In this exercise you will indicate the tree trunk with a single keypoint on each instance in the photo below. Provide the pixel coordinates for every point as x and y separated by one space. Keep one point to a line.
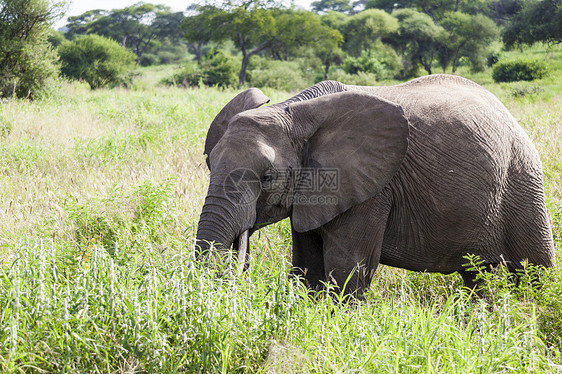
246 57
199 52
141 51
242 75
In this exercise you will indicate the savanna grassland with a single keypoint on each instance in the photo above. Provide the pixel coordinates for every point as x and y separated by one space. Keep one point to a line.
100 194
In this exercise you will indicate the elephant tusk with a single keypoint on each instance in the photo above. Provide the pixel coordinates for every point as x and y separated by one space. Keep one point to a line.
242 248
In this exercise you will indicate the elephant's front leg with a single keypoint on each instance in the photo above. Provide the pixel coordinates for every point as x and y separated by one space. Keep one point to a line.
308 258
352 244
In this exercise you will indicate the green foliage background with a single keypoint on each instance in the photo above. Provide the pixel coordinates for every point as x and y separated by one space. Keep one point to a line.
27 61
99 61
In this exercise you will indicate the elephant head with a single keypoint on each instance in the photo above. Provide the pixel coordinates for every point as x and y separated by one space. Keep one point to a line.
308 159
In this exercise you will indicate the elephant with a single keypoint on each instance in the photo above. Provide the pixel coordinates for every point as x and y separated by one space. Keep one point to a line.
415 175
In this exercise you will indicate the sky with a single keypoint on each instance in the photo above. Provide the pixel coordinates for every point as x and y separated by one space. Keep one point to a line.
78 7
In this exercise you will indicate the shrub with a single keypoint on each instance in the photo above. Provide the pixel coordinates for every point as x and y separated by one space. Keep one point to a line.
99 61
167 57
281 75
216 69
363 63
493 58
27 60
383 63
148 59
519 70
359 79
525 91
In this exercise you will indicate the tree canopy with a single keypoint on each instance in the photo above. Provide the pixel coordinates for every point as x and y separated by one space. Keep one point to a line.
254 29
27 60
321 6
388 38
134 27
538 21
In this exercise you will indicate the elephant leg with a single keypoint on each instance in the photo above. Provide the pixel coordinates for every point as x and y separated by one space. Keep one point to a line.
353 244
468 279
308 259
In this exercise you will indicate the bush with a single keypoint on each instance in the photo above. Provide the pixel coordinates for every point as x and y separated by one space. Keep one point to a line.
99 61
167 57
216 69
493 58
27 60
359 79
519 70
148 59
383 63
281 75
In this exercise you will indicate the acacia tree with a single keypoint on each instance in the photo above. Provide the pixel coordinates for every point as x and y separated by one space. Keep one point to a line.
466 36
202 27
433 8
27 59
307 29
364 30
321 6
134 27
254 29
418 39
538 21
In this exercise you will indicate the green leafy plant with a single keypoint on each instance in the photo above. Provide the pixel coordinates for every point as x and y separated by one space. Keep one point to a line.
519 70
99 61
526 91
123 220
360 79
281 75
216 69
27 60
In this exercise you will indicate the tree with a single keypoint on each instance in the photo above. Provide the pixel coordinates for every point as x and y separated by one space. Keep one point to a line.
322 6
418 39
98 60
501 11
433 8
306 29
27 59
335 20
363 30
85 23
202 27
466 36
538 21
254 29
387 5
134 27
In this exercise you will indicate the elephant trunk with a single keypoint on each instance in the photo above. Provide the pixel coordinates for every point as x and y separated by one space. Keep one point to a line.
224 223
216 224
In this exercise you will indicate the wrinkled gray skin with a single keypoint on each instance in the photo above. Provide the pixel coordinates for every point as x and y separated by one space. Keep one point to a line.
429 171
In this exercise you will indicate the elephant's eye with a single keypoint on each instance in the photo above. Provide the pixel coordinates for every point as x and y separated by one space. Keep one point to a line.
267 177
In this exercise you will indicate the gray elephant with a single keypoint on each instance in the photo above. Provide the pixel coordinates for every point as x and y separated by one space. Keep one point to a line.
415 176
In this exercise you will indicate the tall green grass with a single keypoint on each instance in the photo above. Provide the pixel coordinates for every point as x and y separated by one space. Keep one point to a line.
100 196
163 313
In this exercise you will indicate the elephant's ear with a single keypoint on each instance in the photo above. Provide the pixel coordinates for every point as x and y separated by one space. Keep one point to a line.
354 145
249 99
